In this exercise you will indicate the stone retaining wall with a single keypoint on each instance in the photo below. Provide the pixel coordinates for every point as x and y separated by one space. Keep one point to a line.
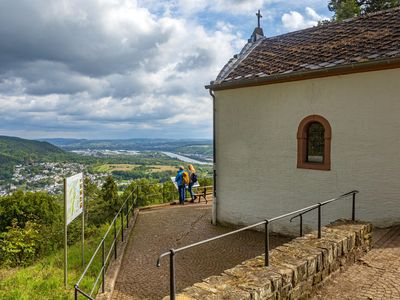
296 268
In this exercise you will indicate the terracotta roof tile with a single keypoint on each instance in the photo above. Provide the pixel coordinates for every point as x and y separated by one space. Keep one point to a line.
363 39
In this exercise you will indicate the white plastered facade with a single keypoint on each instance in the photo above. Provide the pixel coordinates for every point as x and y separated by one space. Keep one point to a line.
256 149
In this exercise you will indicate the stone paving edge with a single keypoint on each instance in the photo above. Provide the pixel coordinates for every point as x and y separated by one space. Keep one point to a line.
115 265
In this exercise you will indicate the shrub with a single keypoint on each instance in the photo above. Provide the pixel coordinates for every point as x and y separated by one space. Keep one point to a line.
20 246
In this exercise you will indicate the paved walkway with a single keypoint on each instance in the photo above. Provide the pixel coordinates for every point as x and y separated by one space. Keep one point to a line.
374 276
158 230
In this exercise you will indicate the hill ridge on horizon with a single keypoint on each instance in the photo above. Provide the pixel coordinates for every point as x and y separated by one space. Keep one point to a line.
138 144
15 150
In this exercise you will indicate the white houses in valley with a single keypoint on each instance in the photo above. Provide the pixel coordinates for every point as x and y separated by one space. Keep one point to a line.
306 116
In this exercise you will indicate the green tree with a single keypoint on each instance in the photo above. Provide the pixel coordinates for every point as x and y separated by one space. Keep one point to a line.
377 5
96 208
345 9
109 192
23 207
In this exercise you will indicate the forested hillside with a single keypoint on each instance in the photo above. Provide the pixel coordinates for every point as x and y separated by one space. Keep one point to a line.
15 150
25 150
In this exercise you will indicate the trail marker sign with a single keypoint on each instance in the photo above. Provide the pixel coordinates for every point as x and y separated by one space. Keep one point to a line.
74 196
73 207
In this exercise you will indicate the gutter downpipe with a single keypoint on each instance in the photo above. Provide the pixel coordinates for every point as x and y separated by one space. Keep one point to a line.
214 205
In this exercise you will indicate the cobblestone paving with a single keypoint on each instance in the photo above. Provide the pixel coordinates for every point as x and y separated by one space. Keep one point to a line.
374 276
158 230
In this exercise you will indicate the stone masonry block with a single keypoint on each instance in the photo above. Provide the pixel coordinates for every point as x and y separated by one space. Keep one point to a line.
350 234
296 268
301 291
285 291
258 281
326 247
286 259
339 239
311 251
360 229
317 278
334 266
301 254
201 294
221 290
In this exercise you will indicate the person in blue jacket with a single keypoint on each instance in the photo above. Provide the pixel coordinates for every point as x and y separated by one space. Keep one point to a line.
181 185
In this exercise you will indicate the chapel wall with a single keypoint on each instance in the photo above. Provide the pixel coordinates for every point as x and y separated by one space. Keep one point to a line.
256 154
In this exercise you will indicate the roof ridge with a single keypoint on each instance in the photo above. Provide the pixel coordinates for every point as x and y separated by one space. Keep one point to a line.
370 39
236 59
335 23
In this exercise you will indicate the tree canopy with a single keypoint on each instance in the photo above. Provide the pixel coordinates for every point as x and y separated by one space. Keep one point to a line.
345 9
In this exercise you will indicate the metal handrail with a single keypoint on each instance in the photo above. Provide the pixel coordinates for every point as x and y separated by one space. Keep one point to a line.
127 209
298 213
133 196
163 193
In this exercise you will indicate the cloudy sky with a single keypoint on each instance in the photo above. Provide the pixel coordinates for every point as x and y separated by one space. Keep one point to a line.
125 68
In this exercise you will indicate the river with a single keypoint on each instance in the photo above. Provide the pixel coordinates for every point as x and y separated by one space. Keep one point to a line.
185 159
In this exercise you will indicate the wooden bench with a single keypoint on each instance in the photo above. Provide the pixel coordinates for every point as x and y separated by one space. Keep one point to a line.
204 193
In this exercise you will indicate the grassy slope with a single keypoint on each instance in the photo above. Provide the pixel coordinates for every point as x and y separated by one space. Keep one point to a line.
45 279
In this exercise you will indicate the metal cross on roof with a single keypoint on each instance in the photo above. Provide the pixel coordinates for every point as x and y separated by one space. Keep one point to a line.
259 16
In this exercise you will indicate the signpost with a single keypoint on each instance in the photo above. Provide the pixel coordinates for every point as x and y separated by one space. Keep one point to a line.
73 207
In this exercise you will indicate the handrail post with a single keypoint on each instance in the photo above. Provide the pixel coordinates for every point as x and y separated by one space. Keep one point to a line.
319 220
172 285
76 292
133 202
103 271
301 225
353 211
122 225
266 245
115 239
137 196
127 214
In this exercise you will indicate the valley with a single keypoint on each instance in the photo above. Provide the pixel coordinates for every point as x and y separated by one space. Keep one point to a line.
41 166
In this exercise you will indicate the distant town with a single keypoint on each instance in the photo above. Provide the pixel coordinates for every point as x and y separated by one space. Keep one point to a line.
46 176
41 166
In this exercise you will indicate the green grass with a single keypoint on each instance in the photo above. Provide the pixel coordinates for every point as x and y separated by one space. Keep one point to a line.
45 279
107 168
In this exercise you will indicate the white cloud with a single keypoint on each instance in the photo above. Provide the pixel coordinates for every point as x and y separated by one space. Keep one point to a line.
188 7
98 66
295 20
121 68
237 6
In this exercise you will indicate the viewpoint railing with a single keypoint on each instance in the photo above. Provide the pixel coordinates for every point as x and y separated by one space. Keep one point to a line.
127 209
122 217
168 193
298 213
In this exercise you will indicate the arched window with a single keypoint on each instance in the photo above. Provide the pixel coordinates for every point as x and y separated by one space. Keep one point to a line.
314 143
